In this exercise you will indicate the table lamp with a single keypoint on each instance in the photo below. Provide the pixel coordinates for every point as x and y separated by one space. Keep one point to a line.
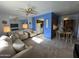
24 26
6 29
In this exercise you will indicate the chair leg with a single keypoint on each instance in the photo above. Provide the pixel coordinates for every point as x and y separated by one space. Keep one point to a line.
71 38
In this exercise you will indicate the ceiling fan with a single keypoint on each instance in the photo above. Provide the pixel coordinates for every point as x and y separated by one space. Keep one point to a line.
28 11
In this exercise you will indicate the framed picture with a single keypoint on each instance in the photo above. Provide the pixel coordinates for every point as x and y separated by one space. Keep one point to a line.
4 22
46 23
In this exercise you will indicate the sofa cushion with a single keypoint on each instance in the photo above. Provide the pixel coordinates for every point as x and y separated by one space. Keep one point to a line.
6 38
14 36
20 32
24 53
23 35
18 45
6 50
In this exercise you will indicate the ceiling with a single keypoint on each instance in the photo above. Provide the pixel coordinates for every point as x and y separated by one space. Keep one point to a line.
9 8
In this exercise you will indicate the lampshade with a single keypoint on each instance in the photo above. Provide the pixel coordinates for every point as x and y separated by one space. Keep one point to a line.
66 18
25 26
6 29
54 27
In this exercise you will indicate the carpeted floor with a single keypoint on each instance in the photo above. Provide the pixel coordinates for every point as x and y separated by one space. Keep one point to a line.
50 49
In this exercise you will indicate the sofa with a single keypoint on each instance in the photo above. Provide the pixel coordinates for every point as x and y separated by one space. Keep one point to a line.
13 46
20 35
24 53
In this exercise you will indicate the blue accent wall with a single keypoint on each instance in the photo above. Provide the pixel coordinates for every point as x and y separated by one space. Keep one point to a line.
47 30
34 23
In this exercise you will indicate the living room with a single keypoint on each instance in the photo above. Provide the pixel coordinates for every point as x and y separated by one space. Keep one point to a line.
39 29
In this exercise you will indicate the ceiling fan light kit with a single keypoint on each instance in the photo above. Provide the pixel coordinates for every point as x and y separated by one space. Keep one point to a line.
28 11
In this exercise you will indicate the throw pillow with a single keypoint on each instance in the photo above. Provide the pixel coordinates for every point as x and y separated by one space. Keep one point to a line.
13 38
18 45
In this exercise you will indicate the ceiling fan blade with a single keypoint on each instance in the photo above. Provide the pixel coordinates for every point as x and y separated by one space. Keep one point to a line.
30 10
34 11
22 10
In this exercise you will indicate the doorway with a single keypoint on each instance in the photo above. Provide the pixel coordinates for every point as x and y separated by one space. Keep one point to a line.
39 26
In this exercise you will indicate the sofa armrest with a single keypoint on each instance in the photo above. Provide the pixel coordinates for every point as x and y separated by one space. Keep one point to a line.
24 53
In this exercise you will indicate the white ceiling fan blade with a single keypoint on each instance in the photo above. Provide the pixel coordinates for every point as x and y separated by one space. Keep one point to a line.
35 12
22 10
